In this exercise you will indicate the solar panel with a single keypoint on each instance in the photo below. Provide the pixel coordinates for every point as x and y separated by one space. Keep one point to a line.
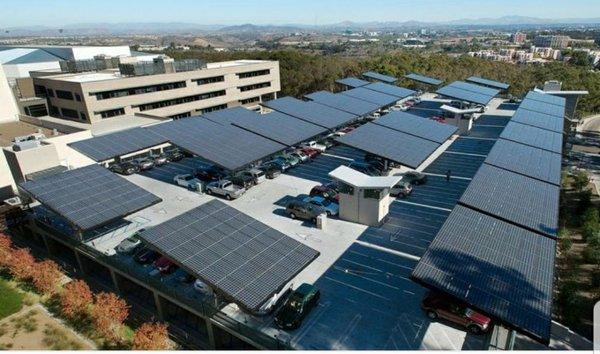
229 115
242 259
89 196
380 77
417 126
542 107
225 145
546 98
540 120
393 145
486 82
392 90
464 95
111 145
526 160
497 268
352 82
424 79
532 136
376 97
343 102
475 88
311 112
521 200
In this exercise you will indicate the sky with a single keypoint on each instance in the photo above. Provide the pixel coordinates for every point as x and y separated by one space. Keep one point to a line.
56 13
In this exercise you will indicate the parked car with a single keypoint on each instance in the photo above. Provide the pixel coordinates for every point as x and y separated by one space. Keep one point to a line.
312 153
270 171
331 208
145 256
209 173
401 190
124 168
289 159
279 164
257 175
188 181
297 209
325 191
225 188
314 145
158 159
300 156
174 155
165 265
143 163
129 244
414 177
365 168
186 278
298 304
328 142
201 287
439 306
242 180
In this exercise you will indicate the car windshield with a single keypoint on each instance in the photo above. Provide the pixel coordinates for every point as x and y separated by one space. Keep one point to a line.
469 312
227 184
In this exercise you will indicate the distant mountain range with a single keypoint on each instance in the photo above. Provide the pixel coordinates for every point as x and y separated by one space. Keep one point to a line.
87 29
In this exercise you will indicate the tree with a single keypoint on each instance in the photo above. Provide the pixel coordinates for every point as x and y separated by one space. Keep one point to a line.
108 314
76 299
580 181
46 277
21 264
151 336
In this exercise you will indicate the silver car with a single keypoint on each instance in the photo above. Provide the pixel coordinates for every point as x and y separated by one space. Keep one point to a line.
144 163
158 159
129 244
225 188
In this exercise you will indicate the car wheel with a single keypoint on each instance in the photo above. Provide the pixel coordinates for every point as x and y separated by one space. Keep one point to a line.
314 220
227 196
208 191
292 215
432 314
475 329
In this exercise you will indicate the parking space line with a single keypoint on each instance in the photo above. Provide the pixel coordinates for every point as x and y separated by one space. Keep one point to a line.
440 175
357 288
384 249
338 157
423 205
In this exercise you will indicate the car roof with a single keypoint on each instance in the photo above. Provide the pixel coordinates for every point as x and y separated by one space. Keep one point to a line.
305 288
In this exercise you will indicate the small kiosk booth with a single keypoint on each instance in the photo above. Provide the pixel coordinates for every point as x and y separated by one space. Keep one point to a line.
364 199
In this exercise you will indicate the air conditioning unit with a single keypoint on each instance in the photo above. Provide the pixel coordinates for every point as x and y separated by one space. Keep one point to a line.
14 201
30 137
25 145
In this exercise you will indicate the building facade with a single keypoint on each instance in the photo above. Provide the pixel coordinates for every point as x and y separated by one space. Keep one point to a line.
558 42
518 38
92 96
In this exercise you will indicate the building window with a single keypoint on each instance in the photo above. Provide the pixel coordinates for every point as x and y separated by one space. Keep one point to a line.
138 90
181 100
111 113
254 86
53 110
38 110
77 97
346 188
50 93
83 116
65 95
209 80
181 115
372 194
268 97
40 91
69 113
213 108
254 73
250 100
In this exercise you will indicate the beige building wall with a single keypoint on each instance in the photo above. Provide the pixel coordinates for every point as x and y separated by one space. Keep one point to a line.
68 156
8 106
29 161
7 183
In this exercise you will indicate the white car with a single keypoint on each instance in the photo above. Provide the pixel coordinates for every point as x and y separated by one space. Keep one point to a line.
188 181
202 288
314 145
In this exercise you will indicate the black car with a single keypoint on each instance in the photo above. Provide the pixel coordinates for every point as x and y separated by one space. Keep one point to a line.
366 168
124 168
414 177
209 173
297 306
270 171
145 256
241 179
298 209
275 164
174 155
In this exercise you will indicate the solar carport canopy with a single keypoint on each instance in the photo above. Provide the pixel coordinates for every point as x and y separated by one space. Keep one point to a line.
352 82
392 90
520 200
417 126
489 83
532 136
468 92
495 267
242 259
539 120
343 102
543 107
546 98
380 77
376 97
225 145
229 115
311 112
390 144
424 79
111 145
526 160
89 196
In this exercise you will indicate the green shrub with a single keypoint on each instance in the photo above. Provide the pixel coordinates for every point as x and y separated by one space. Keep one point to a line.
11 301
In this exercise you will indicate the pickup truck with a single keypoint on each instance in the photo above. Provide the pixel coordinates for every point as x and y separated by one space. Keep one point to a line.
314 145
225 188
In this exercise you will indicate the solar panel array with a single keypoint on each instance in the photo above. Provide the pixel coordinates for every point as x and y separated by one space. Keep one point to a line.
344 103
542 107
540 120
393 145
521 200
490 83
241 258
417 126
352 82
311 112
468 92
496 267
546 98
89 196
392 90
379 77
424 79
229 115
376 97
532 136
225 145
111 145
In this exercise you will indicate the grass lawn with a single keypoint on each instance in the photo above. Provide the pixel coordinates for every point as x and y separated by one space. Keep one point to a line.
11 301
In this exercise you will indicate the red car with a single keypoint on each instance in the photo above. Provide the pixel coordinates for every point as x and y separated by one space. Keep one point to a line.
327 191
310 152
440 306
165 265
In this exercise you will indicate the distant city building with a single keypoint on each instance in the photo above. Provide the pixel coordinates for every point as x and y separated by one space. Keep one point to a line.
518 38
559 42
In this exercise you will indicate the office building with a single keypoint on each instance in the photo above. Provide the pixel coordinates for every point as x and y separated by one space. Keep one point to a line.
518 38
557 42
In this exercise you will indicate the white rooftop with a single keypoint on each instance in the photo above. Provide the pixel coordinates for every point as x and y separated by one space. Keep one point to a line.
360 180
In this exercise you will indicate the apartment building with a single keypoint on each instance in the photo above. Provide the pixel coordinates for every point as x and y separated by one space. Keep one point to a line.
558 42
176 91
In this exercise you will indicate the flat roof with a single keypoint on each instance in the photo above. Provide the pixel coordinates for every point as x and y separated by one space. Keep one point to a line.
360 180
11 130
